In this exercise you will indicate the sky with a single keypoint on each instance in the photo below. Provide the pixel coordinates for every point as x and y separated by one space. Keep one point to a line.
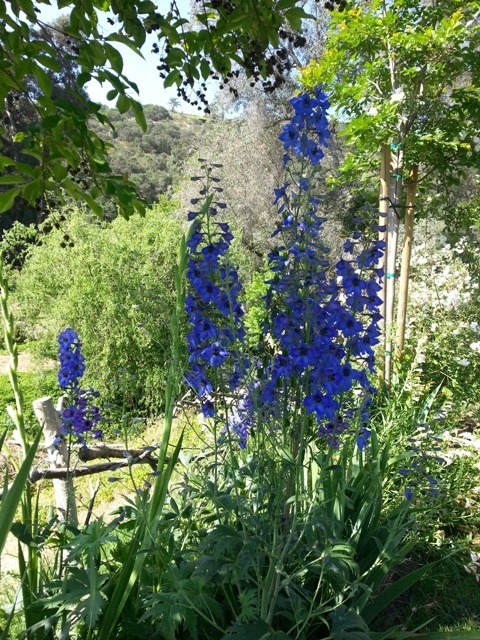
143 72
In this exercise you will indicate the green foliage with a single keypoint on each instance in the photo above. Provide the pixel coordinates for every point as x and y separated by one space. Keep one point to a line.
444 327
256 313
60 138
115 286
239 569
407 73
17 243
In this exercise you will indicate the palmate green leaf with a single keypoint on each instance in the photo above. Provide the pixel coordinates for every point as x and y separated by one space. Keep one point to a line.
258 630
91 607
81 594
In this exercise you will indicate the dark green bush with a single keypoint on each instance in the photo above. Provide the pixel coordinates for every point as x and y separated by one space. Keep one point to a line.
115 287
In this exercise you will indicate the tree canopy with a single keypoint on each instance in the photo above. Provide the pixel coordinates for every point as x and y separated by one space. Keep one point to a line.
69 157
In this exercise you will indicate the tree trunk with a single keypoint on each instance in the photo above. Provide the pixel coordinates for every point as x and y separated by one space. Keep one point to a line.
395 202
382 236
411 190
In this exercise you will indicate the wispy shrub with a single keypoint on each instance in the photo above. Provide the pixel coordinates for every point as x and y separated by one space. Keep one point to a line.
115 285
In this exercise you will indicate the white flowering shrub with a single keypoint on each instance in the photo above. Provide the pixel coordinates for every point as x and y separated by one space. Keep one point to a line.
444 313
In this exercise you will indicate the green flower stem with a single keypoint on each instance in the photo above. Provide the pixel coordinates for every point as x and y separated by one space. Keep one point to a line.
8 330
29 570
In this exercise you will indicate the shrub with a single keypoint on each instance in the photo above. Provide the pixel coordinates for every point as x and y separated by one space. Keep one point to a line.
115 286
444 323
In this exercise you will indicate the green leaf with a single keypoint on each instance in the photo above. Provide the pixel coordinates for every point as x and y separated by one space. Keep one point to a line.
94 206
112 94
139 206
389 594
83 78
204 68
11 179
285 4
348 625
123 103
114 57
33 190
50 121
146 6
49 62
123 39
59 171
248 631
43 80
174 77
5 162
22 532
72 188
8 198
139 114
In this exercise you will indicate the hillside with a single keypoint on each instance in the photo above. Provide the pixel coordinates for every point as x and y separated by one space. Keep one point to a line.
152 159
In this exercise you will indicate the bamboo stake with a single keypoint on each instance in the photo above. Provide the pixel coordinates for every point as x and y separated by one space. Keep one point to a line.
411 191
382 237
395 199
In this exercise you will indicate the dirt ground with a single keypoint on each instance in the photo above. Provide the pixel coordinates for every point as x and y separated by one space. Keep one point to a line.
25 363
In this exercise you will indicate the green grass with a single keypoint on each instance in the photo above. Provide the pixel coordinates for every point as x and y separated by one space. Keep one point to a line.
34 385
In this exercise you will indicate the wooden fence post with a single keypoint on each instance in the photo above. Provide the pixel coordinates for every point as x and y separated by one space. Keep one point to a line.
58 457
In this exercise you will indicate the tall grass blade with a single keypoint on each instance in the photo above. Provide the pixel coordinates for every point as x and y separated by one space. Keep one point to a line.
387 596
11 500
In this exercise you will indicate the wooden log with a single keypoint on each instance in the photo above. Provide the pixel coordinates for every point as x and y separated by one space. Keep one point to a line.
61 473
86 454
59 459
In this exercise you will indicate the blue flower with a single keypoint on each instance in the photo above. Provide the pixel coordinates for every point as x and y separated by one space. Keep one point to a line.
214 312
72 362
81 416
